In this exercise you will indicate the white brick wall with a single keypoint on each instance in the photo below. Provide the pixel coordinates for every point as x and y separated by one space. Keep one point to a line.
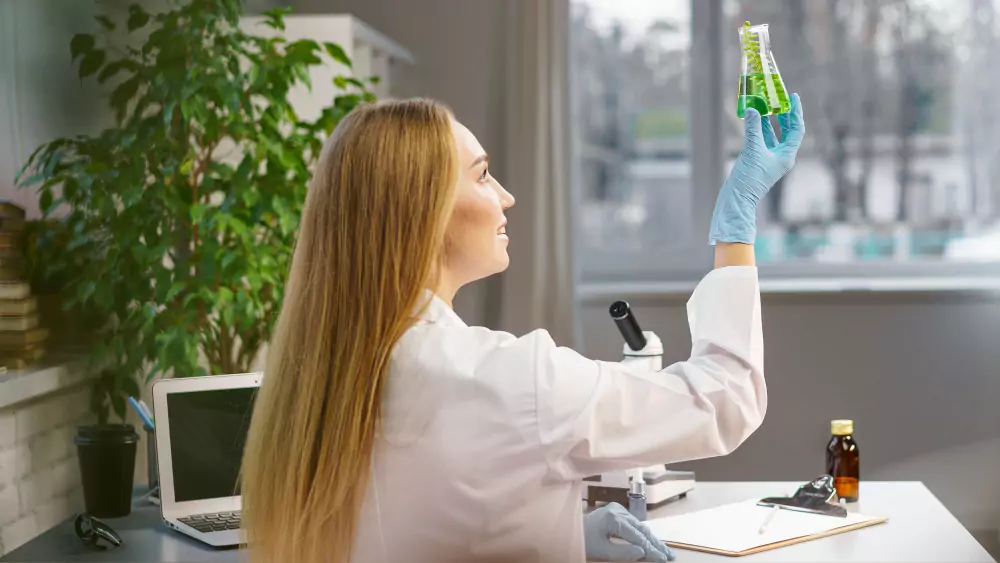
7 432
39 475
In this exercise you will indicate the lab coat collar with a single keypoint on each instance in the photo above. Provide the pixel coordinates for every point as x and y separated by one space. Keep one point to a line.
438 312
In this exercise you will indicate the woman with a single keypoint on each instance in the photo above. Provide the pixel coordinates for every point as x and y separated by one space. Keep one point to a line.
388 430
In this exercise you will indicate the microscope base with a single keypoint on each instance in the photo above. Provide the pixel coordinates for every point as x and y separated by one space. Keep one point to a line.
662 487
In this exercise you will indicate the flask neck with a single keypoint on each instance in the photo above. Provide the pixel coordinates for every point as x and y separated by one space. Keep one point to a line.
759 36
764 37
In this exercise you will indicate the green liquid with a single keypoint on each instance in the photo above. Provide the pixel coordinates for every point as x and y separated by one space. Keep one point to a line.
755 93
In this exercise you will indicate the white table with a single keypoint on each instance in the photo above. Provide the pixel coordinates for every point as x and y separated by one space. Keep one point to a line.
920 529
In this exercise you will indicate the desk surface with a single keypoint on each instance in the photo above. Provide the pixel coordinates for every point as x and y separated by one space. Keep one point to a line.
920 529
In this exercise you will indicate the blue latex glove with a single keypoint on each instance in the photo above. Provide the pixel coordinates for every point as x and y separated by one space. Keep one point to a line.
612 520
761 163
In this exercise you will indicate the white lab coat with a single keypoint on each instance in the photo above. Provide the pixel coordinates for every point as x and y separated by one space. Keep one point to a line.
486 437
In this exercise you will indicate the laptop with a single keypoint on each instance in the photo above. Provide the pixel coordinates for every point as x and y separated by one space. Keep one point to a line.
201 427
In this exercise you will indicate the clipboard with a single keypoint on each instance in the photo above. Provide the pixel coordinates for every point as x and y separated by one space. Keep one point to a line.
732 530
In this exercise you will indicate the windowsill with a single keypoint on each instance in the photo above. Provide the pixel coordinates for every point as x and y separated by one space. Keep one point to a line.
57 373
601 292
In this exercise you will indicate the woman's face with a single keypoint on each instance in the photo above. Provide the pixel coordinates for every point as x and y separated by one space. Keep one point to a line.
476 236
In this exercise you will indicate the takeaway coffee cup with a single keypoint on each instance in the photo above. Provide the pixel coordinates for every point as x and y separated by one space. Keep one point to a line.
107 463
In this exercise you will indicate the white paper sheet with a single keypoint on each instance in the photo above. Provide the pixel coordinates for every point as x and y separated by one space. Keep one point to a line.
735 527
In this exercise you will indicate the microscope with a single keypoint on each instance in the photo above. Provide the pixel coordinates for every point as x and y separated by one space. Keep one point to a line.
644 350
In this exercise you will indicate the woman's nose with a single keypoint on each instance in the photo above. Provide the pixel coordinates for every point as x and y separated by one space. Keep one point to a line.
506 200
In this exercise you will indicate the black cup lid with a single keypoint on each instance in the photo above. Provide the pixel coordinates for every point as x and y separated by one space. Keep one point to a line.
115 432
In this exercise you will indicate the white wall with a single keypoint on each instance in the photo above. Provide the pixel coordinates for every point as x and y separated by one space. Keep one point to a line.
41 97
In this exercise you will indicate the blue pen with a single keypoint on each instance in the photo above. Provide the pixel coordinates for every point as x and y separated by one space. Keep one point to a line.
148 411
142 415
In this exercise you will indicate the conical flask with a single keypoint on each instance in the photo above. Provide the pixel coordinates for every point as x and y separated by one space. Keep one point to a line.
761 87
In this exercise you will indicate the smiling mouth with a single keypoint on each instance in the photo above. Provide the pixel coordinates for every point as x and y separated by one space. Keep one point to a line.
502 231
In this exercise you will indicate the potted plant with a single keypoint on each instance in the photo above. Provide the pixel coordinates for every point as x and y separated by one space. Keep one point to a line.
175 227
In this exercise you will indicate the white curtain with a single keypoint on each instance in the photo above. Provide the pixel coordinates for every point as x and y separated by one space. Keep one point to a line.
537 291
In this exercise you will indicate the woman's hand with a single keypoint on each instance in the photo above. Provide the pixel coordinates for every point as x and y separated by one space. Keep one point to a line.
613 521
762 162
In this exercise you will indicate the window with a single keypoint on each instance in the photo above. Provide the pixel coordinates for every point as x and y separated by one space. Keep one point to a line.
900 172
631 88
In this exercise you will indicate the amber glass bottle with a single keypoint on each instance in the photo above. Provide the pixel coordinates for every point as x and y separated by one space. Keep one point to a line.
842 460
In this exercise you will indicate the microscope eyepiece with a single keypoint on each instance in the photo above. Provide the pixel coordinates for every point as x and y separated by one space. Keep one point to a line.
627 325
619 310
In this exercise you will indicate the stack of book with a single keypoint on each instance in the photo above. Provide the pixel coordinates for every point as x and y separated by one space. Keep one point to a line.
22 339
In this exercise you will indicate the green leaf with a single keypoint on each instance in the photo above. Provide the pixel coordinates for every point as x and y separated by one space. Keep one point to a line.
303 52
80 45
251 196
118 405
153 372
45 201
346 80
239 227
129 387
168 112
198 211
91 62
347 102
176 349
124 93
114 68
86 290
139 252
338 54
137 17
106 23
175 290
275 17
228 259
189 299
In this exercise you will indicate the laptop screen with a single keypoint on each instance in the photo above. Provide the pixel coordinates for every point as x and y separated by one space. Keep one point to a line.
207 433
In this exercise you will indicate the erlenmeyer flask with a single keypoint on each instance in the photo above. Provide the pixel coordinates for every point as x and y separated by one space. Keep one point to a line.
761 87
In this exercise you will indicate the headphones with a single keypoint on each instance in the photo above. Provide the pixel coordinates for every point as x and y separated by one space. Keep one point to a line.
93 532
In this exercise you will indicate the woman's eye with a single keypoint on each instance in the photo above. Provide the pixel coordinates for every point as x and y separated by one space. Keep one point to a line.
486 173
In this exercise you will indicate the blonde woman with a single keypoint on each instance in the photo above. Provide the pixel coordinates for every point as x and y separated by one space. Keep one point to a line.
386 429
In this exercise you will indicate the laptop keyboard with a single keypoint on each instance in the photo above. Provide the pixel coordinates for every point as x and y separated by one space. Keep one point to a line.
213 522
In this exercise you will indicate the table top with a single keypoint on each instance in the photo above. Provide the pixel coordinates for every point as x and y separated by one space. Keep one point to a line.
145 539
920 529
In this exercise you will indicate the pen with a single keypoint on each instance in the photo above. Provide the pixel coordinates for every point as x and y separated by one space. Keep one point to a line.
770 516
148 411
142 415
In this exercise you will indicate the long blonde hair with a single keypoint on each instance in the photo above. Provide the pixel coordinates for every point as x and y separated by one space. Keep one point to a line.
369 244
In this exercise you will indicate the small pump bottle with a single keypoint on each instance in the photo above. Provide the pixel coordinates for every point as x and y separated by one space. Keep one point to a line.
637 497
842 461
